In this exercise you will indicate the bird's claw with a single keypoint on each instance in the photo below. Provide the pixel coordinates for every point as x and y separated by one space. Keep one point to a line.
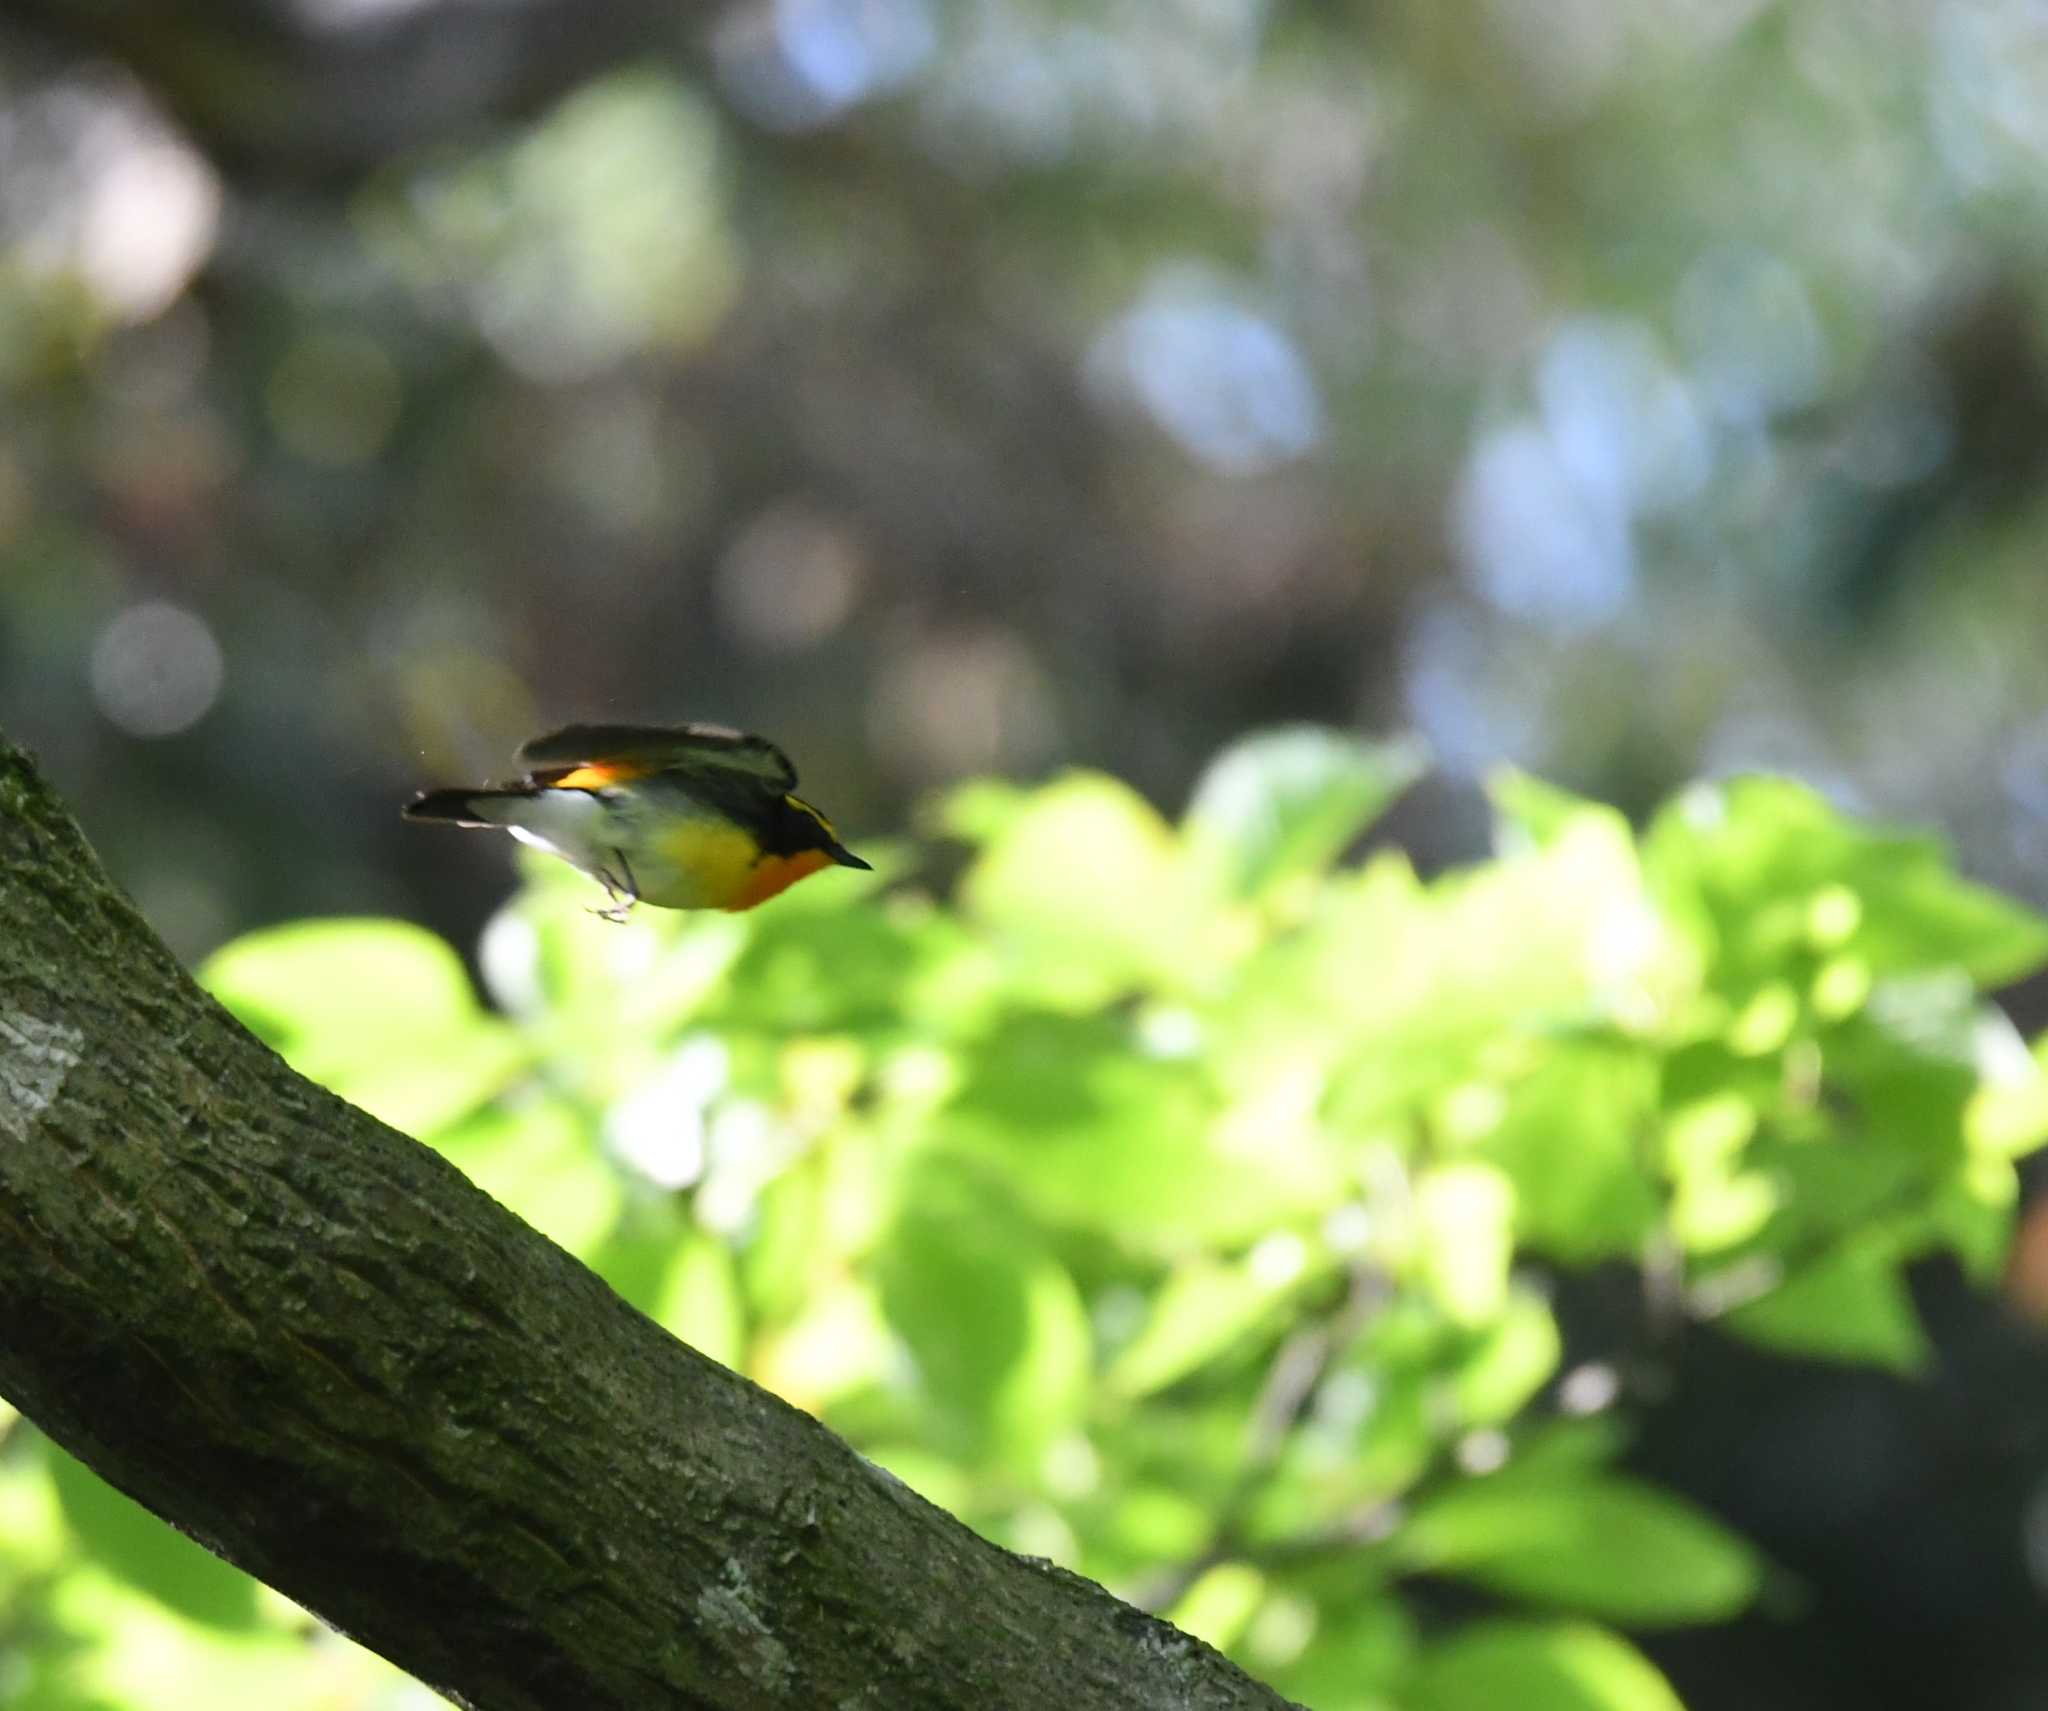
623 893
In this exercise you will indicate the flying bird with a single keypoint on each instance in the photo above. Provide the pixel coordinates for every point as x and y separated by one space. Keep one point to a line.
680 816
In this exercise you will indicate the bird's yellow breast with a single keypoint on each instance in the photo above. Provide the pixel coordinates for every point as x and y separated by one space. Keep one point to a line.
715 864
700 864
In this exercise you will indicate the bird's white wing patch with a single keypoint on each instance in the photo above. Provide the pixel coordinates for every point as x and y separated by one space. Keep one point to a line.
568 823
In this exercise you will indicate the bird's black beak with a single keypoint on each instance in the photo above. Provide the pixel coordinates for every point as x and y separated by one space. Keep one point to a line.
846 858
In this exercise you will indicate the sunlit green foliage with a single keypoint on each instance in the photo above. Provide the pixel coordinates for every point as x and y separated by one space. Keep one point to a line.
1185 1205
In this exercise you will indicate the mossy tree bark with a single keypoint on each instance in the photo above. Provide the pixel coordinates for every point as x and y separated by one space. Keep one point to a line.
312 1344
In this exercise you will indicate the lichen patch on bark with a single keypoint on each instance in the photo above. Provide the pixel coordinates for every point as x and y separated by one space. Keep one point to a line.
36 1058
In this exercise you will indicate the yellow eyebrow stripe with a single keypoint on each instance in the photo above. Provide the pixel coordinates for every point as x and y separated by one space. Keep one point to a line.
803 807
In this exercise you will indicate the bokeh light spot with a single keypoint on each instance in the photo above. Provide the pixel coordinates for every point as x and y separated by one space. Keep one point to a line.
790 579
599 233
1540 545
1624 423
952 702
1223 380
792 65
105 190
156 669
1590 1388
659 1128
341 17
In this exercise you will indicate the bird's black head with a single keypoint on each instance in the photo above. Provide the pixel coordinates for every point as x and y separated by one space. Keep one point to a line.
796 826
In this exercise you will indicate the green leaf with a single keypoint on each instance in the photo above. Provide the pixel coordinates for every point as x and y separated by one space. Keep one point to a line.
119 1648
1464 1219
1974 1214
1509 1363
1851 1306
1284 804
585 985
1536 1666
1780 875
1149 1524
701 1301
992 1321
2007 1116
784 1232
981 810
539 1161
1365 1646
1563 928
1086 891
1400 989
1096 1134
1612 1547
1304 995
1568 1448
1921 914
635 1254
1530 814
1569 1138
871 969
2008 1121
432 1083
1204 1307
148 1553
837 1345
1219 1604
341 981
380 1011
1716 1203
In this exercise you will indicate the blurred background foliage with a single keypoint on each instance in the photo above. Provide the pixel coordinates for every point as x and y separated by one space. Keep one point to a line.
1184 1210
1630 392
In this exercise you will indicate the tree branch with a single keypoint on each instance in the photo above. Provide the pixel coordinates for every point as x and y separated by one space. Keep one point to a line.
313 1345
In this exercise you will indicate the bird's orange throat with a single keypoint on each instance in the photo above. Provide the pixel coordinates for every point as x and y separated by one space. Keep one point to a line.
772 875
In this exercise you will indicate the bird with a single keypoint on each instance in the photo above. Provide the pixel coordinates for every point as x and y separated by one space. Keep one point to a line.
695 816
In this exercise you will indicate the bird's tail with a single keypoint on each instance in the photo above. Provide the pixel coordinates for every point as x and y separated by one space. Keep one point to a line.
458 807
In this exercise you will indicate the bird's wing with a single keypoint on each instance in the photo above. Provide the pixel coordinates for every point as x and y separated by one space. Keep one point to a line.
584 756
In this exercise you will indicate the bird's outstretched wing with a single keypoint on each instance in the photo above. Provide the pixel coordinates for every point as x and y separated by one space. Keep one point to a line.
584 756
